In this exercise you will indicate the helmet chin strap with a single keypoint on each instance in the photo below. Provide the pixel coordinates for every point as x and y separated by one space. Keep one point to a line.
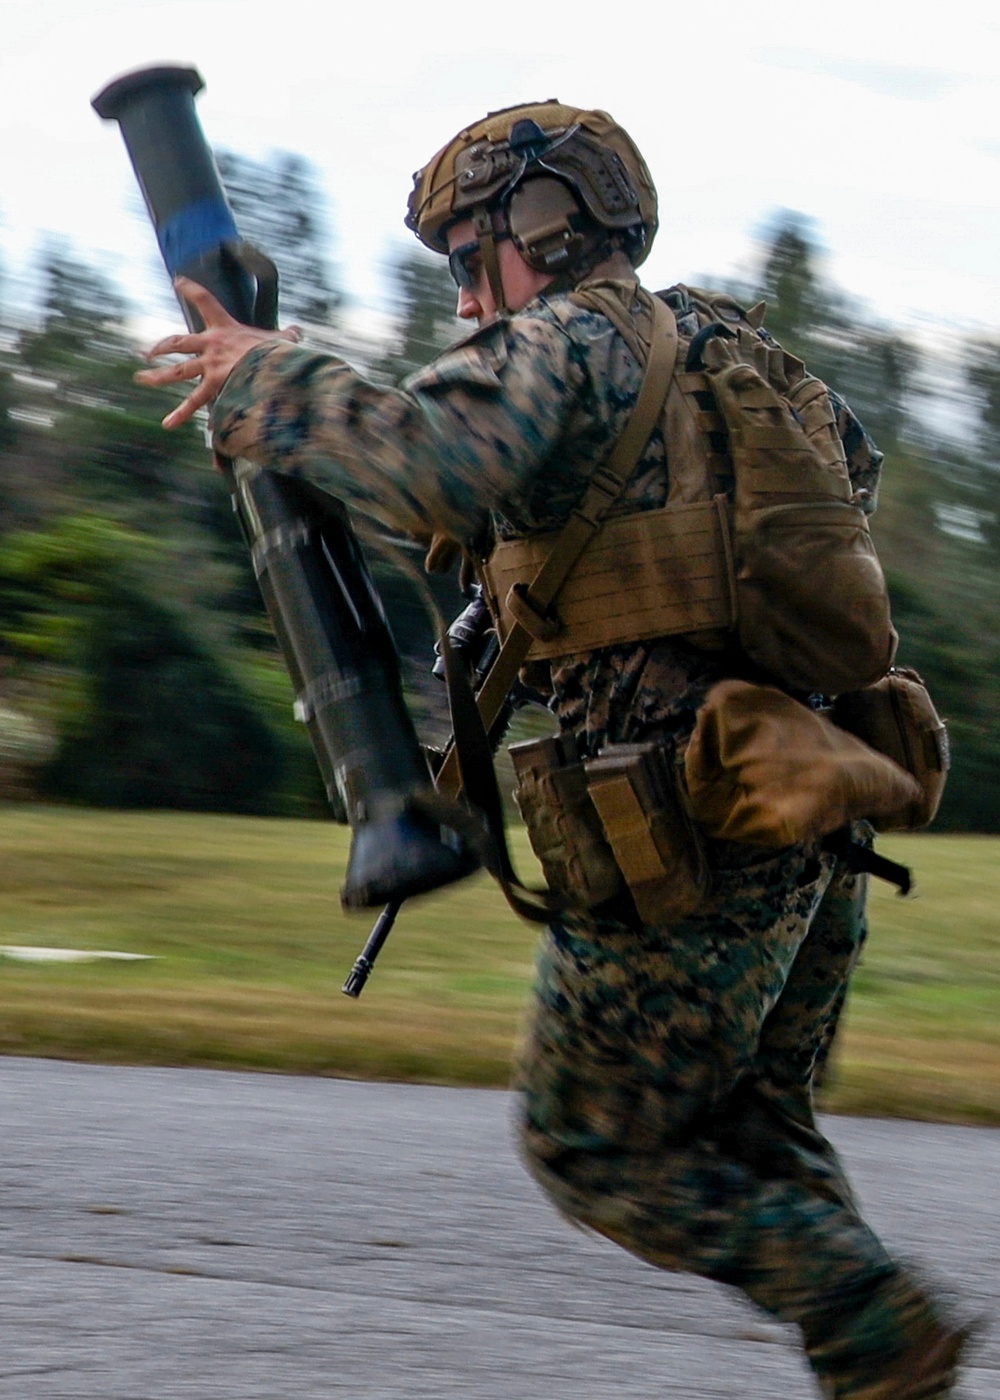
483 224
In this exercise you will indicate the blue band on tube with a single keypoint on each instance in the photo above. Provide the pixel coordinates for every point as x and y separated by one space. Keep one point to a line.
196 229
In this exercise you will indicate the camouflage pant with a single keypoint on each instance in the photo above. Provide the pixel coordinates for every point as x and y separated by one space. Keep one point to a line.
666 1083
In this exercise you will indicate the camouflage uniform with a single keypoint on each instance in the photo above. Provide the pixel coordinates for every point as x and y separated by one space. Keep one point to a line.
666 1077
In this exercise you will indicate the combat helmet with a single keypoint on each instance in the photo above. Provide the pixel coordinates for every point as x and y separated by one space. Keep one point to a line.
564 183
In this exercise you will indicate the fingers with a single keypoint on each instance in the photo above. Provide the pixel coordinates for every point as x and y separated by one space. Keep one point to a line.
212 352
211 311
185 411
187 344
168 374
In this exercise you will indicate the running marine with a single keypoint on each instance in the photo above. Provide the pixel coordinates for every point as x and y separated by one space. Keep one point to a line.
665 1082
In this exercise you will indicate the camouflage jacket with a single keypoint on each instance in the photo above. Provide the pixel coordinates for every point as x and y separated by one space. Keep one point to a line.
500 433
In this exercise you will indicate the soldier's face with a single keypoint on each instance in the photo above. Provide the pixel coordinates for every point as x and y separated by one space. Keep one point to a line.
521 283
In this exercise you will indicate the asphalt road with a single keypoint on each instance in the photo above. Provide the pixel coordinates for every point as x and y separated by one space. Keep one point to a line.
175 1233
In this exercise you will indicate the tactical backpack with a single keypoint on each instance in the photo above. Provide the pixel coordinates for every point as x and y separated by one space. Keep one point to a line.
761 537
761 540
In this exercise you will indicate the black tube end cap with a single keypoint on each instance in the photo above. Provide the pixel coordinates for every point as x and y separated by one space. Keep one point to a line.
112 100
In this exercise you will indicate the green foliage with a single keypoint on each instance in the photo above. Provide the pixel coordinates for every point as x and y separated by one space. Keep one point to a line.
162 722
51 581
118 608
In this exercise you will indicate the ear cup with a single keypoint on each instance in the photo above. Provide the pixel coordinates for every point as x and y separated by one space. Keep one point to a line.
546 224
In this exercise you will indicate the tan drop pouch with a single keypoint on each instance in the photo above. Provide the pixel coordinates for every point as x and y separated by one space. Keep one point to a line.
613 822
897 717
762 768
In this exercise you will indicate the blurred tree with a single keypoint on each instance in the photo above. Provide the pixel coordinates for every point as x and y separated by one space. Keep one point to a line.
279 208
82 343
164 722
145 712
94 440
981 366
424 307
796 300
130 524
869 364
121 572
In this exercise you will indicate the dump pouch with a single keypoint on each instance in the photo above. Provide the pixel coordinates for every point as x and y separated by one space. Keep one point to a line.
659 851
897 717
762 768
563 826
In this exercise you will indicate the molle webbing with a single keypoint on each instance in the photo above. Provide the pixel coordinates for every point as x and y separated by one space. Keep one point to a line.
646 574
696 438
654 573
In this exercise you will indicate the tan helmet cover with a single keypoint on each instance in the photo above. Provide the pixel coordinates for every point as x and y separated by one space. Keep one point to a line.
588 151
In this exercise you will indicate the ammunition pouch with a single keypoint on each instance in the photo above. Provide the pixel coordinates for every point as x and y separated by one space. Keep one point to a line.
650 574
897 717
656 844
563 826
611 825
763 769
760 769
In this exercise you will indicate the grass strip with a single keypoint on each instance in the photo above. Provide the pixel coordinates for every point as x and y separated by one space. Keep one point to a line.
249 948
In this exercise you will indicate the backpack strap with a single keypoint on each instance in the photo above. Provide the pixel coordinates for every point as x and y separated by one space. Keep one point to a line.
532 606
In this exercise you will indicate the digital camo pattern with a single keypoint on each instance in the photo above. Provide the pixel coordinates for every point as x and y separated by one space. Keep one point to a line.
666 1083
667 1072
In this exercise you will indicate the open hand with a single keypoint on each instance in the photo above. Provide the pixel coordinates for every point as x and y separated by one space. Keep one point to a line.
214 352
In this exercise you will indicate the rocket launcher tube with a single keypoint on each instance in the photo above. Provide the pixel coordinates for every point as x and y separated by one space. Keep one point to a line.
319 595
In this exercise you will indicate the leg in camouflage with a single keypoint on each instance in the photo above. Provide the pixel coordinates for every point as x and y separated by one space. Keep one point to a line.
666 1084
768 1121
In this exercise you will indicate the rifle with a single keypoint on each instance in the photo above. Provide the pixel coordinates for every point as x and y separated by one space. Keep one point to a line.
321 600
473 642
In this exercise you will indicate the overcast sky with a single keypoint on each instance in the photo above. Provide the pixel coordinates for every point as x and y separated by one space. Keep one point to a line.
881 124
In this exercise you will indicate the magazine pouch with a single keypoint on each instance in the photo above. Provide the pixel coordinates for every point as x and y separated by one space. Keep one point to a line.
563 826
658 849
